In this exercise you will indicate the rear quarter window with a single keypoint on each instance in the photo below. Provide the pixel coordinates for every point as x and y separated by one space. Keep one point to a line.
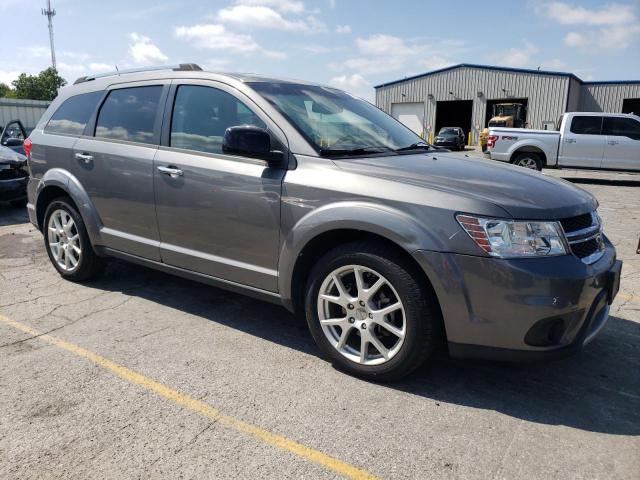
72 116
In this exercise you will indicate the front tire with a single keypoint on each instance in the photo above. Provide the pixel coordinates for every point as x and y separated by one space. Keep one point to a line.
370 313
67 242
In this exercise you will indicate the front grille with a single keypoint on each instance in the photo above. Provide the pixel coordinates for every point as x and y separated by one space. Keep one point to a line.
12 173
584 249
584 235
576 223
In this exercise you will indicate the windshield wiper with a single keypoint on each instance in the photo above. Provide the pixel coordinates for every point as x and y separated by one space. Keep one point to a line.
354 151
415 146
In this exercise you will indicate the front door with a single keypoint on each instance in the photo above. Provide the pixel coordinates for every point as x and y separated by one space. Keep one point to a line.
218 214
114 164
622 150
582 144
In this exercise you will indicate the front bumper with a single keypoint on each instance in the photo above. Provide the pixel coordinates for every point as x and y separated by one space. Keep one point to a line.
521 309
13 184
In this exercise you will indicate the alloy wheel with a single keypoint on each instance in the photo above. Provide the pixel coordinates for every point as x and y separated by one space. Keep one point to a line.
361 315
527 162
64 240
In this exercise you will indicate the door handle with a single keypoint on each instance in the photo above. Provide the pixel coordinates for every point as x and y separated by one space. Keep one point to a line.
569 140
84 157
612 142
173 172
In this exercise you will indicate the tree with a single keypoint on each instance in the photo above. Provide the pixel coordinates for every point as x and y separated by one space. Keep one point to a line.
43 86
6 91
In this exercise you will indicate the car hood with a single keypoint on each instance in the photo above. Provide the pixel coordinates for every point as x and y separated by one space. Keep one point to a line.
11 158
522 193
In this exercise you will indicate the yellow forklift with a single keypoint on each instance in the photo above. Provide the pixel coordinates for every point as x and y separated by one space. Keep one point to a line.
509 115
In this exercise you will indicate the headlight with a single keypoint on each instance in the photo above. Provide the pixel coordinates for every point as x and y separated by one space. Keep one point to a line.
512 239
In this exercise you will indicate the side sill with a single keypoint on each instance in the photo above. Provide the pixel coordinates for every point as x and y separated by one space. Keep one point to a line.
253 292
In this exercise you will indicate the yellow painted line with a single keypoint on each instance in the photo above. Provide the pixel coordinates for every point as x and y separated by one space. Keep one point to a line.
183 400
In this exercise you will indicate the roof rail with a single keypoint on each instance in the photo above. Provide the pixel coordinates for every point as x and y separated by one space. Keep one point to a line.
182 67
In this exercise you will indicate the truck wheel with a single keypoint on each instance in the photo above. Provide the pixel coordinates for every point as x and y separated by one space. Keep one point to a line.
67 242
368 313
528 160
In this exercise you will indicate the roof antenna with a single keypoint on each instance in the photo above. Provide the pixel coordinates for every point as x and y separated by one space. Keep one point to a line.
118 71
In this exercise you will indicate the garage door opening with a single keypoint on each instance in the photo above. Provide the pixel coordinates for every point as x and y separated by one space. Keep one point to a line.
631 105
411 114
454 113
491 110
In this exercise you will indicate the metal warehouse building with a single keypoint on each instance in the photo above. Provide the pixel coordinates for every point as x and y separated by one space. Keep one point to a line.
27 111
463 96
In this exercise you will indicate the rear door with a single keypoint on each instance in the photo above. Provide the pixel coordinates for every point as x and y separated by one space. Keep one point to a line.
218 213
114 164
622 150
582 143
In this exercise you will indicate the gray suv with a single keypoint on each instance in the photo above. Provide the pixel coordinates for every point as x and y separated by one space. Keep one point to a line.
305 196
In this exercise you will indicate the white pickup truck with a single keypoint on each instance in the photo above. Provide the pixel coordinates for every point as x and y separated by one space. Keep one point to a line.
584 140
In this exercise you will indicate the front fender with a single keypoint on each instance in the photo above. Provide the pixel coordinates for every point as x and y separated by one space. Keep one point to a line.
381 220
60 178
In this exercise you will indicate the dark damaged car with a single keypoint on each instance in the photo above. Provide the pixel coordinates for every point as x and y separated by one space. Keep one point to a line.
13 177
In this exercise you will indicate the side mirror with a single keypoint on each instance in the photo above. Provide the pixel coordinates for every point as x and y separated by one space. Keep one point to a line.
13 142
251 141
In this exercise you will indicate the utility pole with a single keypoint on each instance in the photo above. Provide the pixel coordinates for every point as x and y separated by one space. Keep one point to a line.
50 13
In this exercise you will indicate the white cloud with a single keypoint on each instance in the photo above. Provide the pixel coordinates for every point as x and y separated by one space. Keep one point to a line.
71 68
613 26
351 82
332 3
518 57
575 39
612 14
262 16
381 53
96 67
436 62
289 6
381 44
316 49
355 84
554 64
343 29
8 76
216 37
144 52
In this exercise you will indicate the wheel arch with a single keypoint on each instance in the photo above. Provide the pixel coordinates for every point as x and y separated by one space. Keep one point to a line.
529 149
57 182
312 237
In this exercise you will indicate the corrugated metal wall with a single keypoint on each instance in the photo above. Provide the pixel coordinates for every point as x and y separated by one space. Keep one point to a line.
607 97
27 111
547 94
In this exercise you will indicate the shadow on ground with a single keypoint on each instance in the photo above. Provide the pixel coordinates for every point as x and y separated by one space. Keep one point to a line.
596 390
604 181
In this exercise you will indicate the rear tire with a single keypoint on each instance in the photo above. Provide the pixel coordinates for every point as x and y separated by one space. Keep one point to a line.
67 242
528 160
398 323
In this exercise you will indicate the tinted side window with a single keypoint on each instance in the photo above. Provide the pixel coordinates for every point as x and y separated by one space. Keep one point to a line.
202 114
586 125
74 113
129 114
622 127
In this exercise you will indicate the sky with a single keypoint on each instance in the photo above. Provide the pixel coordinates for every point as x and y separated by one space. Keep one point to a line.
350 44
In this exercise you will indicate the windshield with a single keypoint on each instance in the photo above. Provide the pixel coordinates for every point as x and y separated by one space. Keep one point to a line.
335 122
504 110
448 131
